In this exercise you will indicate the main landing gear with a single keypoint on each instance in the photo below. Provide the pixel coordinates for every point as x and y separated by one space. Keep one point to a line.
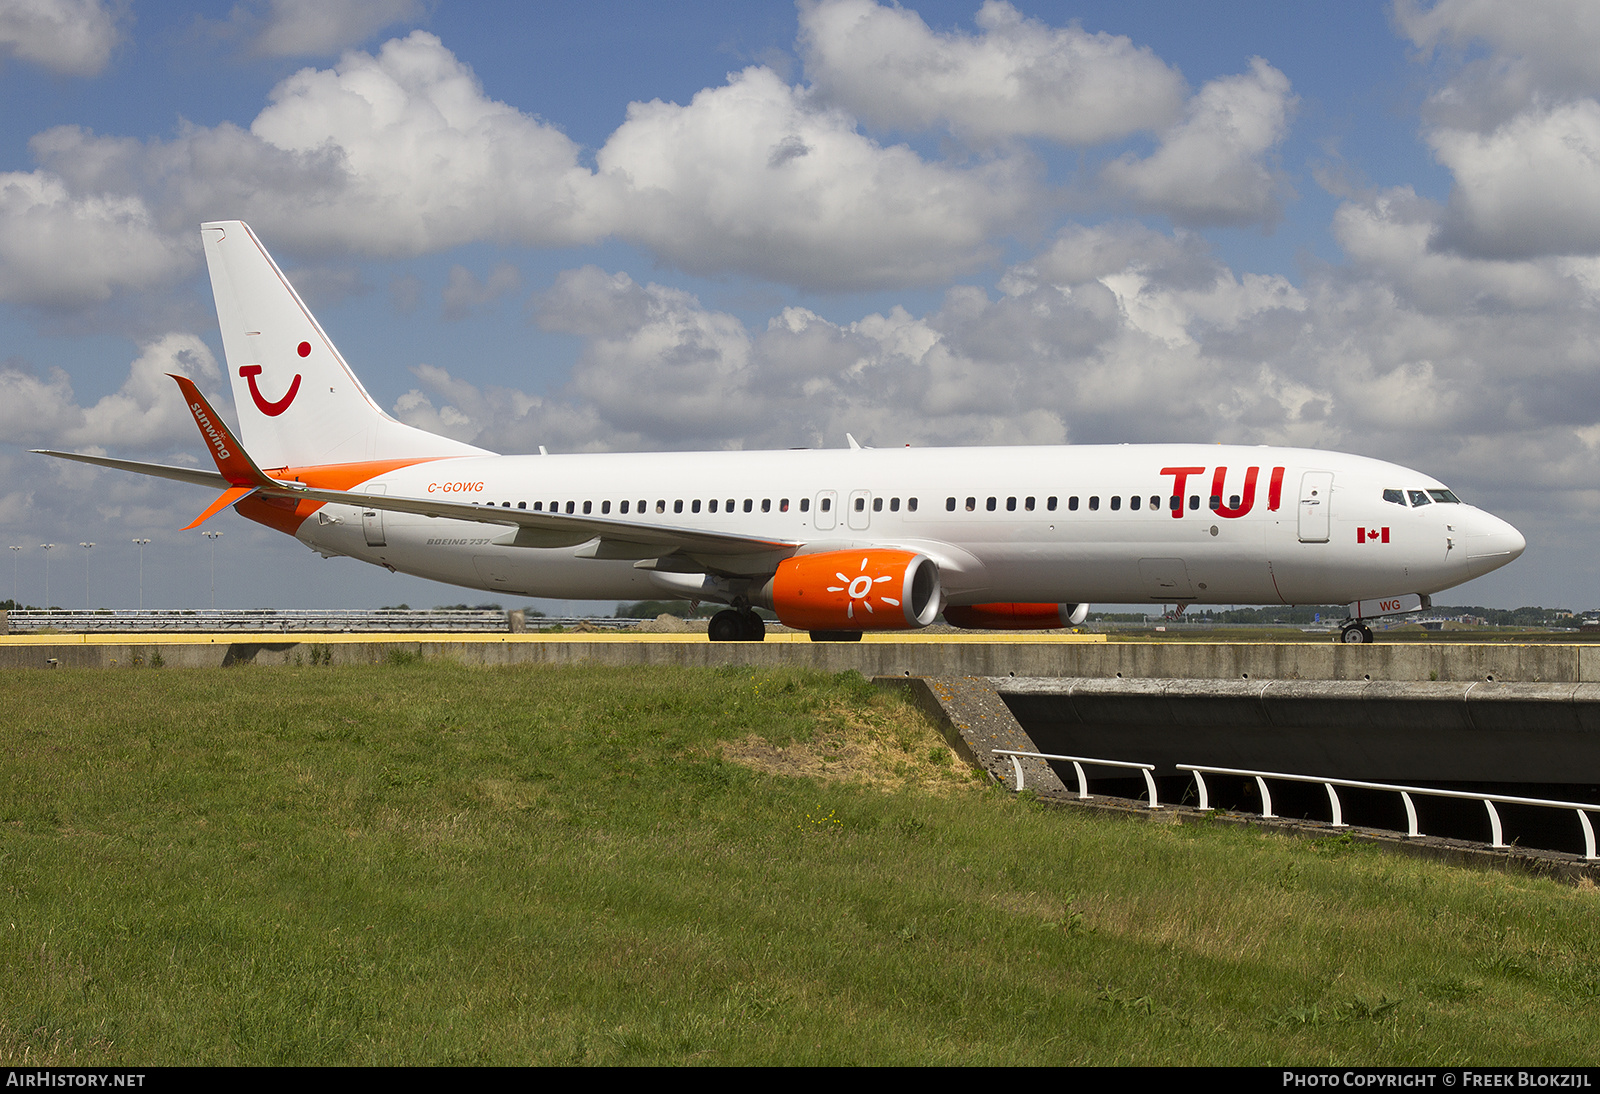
733 625
1355 632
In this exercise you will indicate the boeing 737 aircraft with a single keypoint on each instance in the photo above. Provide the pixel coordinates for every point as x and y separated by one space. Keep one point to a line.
834 542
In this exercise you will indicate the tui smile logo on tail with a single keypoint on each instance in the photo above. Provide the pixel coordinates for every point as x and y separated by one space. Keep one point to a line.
270 409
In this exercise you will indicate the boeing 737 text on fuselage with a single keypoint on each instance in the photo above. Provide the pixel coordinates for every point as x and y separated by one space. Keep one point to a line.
835 542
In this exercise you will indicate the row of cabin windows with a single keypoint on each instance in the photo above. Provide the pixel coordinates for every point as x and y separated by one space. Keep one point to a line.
1174 503
623 507
991 504
711 506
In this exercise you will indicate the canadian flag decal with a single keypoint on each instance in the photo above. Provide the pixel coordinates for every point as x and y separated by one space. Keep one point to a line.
1375 535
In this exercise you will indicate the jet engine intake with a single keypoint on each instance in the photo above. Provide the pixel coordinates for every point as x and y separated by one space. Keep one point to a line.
1016 617
873 589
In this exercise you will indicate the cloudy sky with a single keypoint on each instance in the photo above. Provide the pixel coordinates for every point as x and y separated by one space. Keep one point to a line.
639 226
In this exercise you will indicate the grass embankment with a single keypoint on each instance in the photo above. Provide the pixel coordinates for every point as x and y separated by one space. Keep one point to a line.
420 863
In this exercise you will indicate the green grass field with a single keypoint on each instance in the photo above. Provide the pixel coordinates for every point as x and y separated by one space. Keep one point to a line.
422 863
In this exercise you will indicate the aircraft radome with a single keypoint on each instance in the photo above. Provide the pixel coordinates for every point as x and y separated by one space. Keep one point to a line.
835 542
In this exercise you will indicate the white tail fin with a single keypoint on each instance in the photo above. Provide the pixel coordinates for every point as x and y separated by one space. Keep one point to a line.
299 404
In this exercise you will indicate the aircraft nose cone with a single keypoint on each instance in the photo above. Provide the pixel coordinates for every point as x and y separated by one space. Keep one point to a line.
1492 543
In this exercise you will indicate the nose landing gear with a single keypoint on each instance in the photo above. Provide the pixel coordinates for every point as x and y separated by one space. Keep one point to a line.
1354 632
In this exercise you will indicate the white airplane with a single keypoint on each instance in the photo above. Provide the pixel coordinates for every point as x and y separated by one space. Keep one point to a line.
834 542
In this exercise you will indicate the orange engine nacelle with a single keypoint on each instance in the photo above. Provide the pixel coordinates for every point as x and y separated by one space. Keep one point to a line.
866 590
1016 617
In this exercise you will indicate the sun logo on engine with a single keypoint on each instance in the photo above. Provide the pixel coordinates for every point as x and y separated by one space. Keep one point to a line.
859 588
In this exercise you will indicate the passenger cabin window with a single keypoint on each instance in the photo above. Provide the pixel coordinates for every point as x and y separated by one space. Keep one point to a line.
677 506
1116 503
1028 504
661 505
861 505
571 506
694 506
972 504
711 506
911 505
783 505
1011 505
877 505
827 505
949 505
989 505
1194 501
894 505
805 505
605 507
538 507
1398 497
1094 502
1051 505
1133 502
588 508
1072 503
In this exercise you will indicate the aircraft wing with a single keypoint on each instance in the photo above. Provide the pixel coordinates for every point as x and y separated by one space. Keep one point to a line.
192 475
618 539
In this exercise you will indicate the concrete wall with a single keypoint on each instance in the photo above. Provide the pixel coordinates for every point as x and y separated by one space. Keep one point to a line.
1416 662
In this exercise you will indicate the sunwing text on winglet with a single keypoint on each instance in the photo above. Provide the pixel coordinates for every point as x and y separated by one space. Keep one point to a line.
836 542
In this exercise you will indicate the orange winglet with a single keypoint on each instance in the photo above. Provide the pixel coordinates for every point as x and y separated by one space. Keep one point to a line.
228 498
232 460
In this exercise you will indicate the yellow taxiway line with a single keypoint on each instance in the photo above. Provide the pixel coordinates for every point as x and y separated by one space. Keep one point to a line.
282 638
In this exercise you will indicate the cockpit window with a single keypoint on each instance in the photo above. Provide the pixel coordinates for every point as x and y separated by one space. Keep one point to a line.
1444 495
1396 496
1419 497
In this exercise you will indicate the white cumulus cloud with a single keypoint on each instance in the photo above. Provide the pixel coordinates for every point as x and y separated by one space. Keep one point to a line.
59 248
1016 77
308 28
753 177
1210 168
72 37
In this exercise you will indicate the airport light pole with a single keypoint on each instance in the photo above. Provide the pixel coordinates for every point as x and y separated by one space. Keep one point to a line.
213 537
87 603
16 553
141 544
46 548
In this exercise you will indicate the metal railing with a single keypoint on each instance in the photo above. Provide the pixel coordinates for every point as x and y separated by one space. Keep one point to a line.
1077 765
1583 809
1199 771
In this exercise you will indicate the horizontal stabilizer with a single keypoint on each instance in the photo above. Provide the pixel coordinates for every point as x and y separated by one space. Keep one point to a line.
191 475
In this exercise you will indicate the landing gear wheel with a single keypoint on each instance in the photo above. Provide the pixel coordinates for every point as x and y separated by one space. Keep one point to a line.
835 636
1355 634
726 626
755 628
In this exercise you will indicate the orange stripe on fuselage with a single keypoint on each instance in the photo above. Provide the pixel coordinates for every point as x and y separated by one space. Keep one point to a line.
286 515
